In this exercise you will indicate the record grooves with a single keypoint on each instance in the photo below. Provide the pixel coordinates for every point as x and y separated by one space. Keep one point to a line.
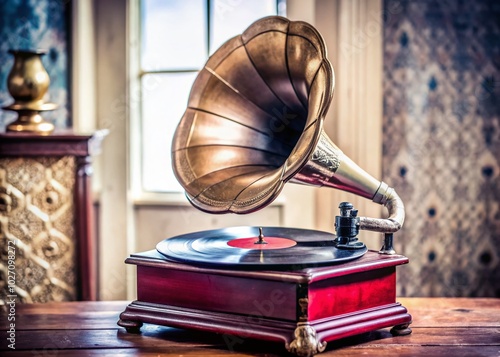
221 248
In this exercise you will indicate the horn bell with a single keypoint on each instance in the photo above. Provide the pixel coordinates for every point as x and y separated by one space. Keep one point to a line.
254 116
255 121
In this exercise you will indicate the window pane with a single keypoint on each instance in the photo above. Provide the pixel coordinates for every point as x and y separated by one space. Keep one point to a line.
174 34
230 18
164 102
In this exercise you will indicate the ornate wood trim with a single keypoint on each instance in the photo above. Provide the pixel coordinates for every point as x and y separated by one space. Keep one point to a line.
87 274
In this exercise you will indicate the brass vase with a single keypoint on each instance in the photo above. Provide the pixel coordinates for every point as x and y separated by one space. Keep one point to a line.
28 82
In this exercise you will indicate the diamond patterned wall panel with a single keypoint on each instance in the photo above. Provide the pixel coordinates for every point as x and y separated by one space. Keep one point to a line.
441 143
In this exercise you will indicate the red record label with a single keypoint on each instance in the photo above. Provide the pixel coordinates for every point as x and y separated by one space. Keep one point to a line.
253 243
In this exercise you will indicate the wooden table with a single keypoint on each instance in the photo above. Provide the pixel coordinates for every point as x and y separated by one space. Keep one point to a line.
441 327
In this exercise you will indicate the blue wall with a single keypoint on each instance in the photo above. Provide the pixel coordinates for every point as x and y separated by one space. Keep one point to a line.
37 24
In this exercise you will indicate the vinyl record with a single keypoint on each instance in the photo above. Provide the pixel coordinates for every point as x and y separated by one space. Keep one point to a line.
233 247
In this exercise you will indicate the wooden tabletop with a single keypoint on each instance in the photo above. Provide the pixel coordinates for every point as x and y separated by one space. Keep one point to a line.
441 327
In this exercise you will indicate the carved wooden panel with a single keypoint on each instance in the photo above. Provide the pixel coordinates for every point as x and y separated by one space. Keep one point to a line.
46 209
37 211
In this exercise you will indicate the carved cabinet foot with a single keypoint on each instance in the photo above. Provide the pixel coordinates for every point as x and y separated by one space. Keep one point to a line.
401 330
131 326
306 342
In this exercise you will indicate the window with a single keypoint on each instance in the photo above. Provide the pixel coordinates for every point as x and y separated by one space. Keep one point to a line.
177 36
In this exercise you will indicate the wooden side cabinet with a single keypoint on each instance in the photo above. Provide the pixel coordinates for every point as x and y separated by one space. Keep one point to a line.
46 215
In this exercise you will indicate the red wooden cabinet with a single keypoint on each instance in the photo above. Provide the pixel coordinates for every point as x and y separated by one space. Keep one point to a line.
303 308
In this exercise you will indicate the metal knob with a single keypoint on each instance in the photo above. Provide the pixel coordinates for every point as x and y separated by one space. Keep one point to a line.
347 228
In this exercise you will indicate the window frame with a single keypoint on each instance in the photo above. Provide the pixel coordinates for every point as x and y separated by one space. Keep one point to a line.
140 195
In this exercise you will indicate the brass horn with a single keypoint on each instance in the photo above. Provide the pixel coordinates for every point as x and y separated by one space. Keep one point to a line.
255 121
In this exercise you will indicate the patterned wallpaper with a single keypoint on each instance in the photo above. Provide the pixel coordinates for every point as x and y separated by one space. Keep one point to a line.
442 142
36 24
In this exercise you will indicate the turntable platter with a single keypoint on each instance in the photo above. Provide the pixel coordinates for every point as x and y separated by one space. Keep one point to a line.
233 247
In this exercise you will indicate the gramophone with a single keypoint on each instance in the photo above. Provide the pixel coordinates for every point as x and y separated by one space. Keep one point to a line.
254 121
